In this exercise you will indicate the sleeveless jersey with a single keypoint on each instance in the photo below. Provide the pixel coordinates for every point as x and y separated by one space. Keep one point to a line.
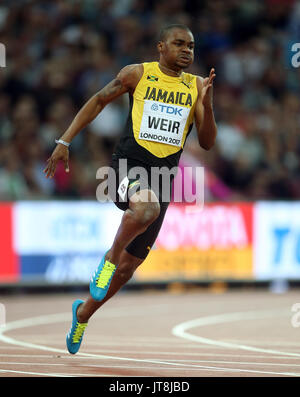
160 117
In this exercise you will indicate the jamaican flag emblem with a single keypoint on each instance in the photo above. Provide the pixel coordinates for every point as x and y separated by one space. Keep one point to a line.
152 78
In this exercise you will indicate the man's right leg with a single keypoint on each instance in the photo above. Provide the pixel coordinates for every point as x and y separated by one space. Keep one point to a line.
143 209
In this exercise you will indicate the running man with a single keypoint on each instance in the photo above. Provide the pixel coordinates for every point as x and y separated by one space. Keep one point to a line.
164 103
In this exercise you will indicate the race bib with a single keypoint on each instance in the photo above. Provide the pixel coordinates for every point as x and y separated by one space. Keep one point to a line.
122 190
163 123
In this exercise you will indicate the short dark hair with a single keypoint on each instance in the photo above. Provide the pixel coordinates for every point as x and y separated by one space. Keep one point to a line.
167 29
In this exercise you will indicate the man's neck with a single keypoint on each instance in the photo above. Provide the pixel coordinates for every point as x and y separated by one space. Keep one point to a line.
170 72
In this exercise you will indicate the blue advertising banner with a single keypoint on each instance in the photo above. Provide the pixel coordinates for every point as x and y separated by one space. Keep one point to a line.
62 242
277 240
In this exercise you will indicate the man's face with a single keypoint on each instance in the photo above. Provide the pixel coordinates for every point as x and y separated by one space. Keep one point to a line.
178 48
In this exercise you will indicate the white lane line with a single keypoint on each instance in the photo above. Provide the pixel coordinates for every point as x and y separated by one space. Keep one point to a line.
28 355
265 364
5 348
194 368
288 345
36 373
180 330
55 375
149 369
101 356
154 368
189 368
62 317
32 363
234 362
49 319
181 361
144 352
156 353
172 353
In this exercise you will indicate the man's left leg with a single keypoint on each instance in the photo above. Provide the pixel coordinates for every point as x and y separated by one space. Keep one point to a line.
127 266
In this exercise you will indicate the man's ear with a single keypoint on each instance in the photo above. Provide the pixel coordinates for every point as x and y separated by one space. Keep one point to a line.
160 45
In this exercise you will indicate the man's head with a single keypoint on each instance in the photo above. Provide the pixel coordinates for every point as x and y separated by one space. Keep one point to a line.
176 46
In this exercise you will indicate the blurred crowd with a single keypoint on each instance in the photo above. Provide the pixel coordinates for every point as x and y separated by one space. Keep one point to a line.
61 52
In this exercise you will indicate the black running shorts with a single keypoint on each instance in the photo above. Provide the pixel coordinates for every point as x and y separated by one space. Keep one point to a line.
126 180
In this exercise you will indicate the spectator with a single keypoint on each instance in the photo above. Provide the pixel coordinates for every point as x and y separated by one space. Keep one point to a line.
59 53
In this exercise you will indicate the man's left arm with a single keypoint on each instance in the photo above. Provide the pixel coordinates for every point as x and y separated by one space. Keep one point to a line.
204 114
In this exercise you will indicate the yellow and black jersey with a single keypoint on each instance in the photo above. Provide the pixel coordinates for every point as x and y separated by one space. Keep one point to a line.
160 117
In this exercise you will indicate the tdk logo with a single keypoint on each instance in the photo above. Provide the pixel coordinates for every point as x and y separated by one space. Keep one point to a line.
166 109
154 107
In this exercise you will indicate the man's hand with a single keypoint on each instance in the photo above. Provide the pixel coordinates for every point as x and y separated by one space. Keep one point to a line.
207 90
204 114
61 152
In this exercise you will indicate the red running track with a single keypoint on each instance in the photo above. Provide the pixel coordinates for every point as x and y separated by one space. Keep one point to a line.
155 334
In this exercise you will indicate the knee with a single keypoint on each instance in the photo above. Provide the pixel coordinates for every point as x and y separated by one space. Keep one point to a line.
147 213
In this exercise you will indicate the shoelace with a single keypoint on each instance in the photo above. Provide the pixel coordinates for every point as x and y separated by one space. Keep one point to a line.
105 274
80 327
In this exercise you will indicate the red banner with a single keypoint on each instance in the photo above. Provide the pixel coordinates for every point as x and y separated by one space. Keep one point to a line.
9 267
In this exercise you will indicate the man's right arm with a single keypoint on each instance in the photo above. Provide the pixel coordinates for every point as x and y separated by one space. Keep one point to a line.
126 81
